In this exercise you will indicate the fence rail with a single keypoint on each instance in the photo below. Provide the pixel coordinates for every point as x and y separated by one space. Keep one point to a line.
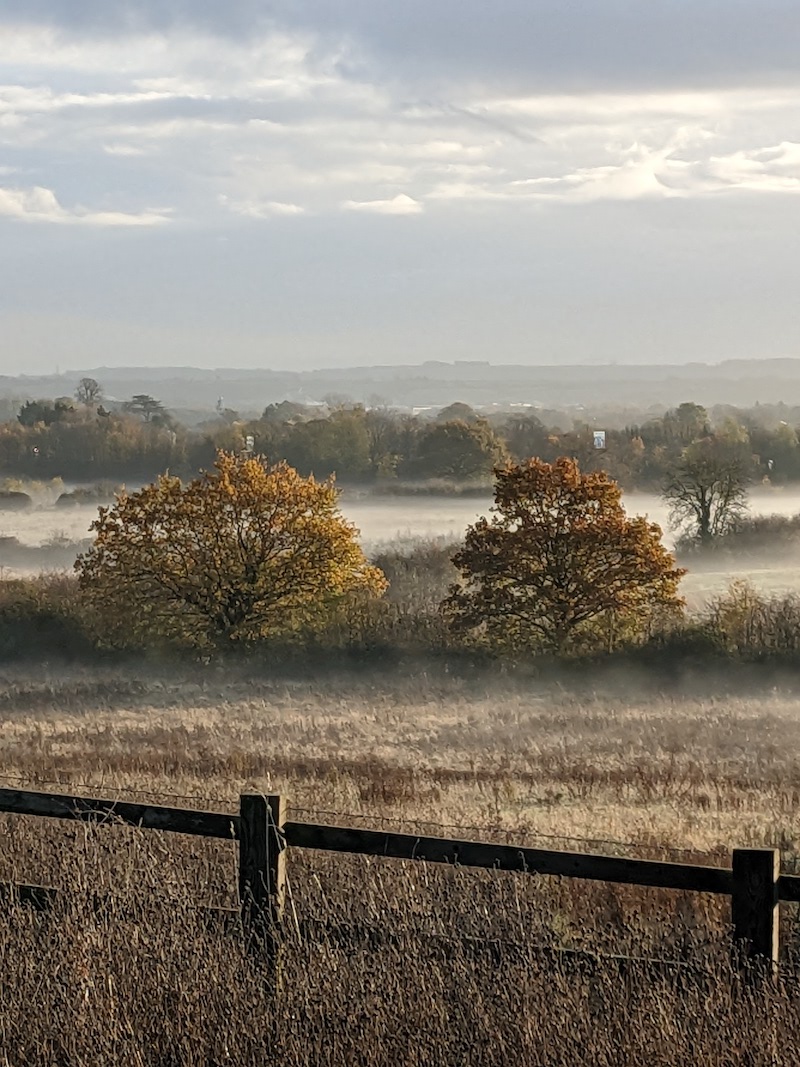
146 816
753 881
521 859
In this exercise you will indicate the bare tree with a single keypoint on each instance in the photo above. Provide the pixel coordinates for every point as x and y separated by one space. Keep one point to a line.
706 490
88 392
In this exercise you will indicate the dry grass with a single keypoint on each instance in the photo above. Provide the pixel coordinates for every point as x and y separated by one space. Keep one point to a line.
148 982
705 773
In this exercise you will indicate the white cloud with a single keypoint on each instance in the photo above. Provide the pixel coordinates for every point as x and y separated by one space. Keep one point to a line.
772 169
124 150
266 209
37 204
21 99
284 122
398 205
497 139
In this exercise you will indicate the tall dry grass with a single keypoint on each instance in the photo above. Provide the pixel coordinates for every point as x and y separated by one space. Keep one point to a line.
145 977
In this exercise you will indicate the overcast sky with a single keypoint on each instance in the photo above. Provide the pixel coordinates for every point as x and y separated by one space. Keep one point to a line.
312 183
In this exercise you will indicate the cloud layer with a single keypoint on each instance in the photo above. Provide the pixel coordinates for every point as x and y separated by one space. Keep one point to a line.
302 117
247 124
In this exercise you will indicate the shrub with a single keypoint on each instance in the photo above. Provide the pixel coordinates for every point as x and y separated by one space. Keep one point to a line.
753 534
754 626
42 617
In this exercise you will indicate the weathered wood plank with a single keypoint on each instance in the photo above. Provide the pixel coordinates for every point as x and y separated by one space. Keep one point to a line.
146 816
754 903
262 860
511 858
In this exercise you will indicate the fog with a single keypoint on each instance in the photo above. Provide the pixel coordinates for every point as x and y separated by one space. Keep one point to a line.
380 519
48 538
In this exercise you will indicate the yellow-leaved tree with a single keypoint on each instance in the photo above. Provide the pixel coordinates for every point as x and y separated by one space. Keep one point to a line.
560 563
244 552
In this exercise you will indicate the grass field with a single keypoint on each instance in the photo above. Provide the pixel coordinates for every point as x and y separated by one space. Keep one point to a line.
704 772
631 772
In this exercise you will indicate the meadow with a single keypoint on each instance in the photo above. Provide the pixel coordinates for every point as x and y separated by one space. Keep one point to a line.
680 766
625 770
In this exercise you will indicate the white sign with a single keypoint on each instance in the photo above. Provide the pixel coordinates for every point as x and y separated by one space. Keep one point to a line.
599 438
249 443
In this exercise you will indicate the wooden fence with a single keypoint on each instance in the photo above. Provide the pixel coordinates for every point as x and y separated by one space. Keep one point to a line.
264 835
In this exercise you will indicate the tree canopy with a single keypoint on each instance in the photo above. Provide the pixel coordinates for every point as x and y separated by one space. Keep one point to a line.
706 489
44 412
88 391
150 409
139 438
244 552
458 450
558 556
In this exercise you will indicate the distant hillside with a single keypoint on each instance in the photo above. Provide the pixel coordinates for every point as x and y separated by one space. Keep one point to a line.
738 382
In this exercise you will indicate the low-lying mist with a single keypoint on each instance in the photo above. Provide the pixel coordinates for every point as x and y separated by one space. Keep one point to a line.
49 538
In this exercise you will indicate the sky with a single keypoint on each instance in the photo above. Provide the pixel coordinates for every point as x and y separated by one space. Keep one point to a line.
305 184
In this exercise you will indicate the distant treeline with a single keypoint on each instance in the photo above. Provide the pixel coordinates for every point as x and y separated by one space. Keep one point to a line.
83 440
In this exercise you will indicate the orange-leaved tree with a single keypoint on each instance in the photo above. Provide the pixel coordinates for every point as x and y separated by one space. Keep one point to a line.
243 552
560 560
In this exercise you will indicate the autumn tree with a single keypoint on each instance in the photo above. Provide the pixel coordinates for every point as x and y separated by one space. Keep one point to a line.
457 412
243 552
686 423
287 411
526 436
391 439
706 489
560 560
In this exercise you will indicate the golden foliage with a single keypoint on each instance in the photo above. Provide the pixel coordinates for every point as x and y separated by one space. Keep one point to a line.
241 553
560 561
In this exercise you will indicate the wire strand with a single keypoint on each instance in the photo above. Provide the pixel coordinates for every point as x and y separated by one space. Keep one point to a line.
508 831
396 820
36 780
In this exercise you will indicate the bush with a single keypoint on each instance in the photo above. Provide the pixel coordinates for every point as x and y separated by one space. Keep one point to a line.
753 626
42 617
101 493
420 576
754 534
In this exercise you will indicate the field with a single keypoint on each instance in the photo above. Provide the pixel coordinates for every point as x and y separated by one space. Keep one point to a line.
627 771
383 961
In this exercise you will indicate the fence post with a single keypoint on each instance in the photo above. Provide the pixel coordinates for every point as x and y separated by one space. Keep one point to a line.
262 867
754 905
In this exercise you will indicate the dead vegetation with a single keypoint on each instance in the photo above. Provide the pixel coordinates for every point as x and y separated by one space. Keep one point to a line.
147 979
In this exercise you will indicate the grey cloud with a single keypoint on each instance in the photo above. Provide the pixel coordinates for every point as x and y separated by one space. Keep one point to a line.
233 18
525 44
542 222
